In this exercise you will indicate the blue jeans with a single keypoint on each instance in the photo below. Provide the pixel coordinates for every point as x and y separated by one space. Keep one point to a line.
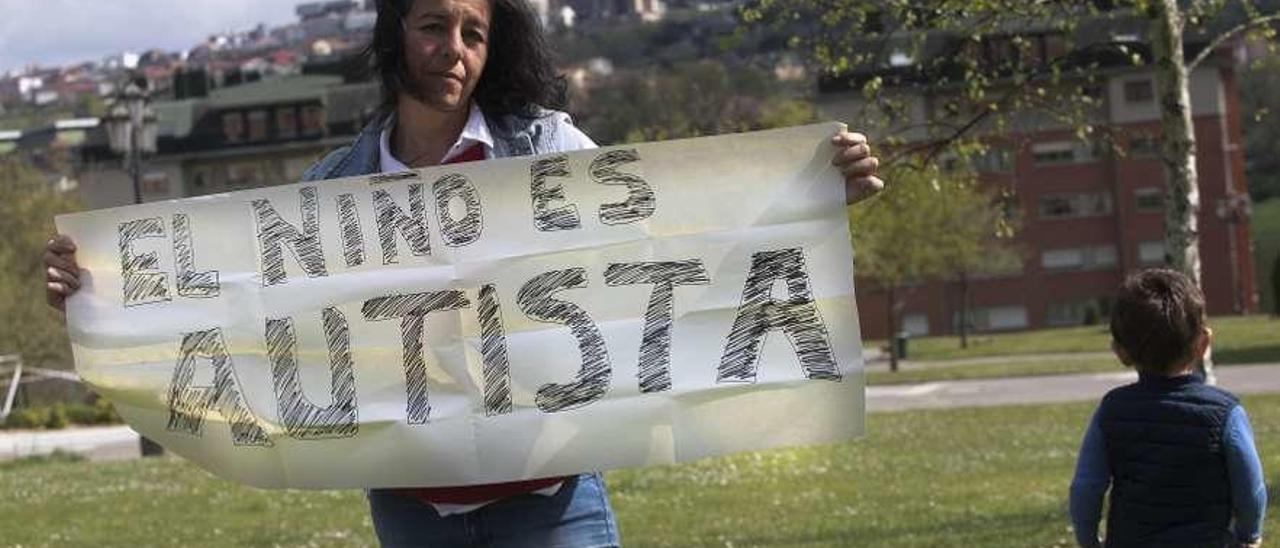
578 516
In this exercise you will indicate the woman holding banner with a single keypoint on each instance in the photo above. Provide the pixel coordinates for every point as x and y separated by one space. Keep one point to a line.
467 80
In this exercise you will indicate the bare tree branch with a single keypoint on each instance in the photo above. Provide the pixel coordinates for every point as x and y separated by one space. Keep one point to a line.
1227 35
1036 76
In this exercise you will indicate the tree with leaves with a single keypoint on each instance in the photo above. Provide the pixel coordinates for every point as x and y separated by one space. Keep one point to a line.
1260 111
928 224
28 203
992 65
892 242
688 100
973 237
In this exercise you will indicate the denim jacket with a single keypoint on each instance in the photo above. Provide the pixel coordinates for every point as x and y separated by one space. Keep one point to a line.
513 135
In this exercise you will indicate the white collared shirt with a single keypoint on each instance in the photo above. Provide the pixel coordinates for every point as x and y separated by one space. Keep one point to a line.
475 131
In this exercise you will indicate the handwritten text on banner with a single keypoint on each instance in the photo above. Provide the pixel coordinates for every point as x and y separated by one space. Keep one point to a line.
485 322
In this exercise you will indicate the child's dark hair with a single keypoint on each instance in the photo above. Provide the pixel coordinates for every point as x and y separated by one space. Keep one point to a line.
1157 320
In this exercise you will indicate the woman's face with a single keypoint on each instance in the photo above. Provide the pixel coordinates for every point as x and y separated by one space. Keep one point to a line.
446 43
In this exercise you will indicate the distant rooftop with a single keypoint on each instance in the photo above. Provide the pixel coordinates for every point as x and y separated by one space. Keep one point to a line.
273 90
320 9
175 118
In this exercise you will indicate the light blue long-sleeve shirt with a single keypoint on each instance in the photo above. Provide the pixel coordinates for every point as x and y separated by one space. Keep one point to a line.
1244 471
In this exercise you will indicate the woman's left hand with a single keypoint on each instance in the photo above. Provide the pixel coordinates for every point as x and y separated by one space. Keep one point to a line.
857 165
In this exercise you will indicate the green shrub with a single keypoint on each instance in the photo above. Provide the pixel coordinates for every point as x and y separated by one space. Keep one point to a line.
82 414
62 415
56 417
99 412
26 418
106 412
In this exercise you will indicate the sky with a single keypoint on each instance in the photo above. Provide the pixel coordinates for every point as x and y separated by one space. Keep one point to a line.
58 32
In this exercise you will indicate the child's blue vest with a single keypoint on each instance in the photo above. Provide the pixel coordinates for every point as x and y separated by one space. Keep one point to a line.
1164 444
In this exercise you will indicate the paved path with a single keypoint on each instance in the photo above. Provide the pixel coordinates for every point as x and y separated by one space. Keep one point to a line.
96 443
1240 379
880 360
121 442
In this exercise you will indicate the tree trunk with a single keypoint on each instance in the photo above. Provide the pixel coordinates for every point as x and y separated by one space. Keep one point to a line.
893 330
964 310
1275 287
1178 147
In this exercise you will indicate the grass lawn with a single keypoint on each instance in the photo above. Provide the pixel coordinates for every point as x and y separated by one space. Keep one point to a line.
1023 368
970 477
1237 339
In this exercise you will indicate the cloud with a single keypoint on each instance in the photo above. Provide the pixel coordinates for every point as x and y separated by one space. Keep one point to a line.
52 32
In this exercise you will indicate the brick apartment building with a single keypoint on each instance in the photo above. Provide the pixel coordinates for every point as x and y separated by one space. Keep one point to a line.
1088 216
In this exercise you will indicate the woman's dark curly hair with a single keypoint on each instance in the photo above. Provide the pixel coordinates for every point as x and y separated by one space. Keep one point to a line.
519 75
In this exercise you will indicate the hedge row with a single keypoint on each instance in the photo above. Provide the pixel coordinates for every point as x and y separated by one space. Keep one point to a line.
60 415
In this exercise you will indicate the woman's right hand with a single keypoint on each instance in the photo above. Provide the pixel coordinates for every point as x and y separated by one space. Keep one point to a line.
61 274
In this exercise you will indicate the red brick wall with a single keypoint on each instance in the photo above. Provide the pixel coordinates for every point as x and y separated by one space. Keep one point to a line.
1221 166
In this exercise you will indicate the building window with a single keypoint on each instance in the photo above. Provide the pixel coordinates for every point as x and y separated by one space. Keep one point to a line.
258 125
287 123
199 181
1064 314
1075 206
1151 253
901 58
1062 259
1055 46
994 160
1070 313
1000 267
1144 146
313 120
1063 152
1053 153
244 175
155 184
233 127
1104 256
995 318
1008 317
916 325
991 161
1079 258
1149 199
1139 92
1004 51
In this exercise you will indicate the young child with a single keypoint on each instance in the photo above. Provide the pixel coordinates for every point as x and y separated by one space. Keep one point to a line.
1177 454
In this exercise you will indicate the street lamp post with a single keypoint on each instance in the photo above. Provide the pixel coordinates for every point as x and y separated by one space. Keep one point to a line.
132 131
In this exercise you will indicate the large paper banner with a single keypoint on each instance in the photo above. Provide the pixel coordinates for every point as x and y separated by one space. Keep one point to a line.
485 322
